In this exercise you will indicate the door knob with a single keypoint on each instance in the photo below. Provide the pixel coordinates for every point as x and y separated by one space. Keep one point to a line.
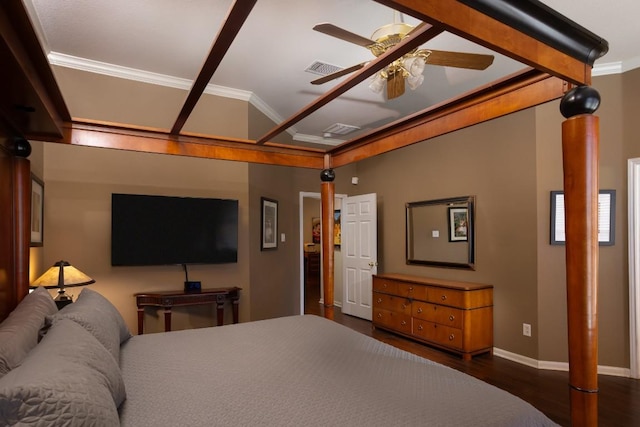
373 264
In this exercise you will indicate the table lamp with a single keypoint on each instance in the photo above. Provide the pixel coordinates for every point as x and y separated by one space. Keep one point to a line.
62 275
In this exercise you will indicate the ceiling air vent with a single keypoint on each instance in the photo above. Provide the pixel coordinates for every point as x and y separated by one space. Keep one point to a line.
322 68
340 129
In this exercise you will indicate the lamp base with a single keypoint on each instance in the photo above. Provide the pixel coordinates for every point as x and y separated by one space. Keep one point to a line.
62 299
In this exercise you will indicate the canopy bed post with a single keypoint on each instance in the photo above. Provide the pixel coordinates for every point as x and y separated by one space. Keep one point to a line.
15 202
327 195
580 148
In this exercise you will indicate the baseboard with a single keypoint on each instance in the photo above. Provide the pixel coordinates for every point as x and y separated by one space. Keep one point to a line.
335 303
557 366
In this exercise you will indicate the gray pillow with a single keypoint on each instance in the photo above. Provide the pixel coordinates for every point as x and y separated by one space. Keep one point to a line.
19 331
98 316
68 379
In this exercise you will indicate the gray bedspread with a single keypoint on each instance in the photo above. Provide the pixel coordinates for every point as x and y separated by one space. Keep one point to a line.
301 370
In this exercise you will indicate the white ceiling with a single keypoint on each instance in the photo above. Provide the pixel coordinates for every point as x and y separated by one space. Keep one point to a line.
166 42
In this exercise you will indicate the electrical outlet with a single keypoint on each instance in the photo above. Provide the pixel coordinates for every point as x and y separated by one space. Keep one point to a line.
526 329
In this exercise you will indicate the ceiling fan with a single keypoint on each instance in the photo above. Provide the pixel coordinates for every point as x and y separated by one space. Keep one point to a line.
408 67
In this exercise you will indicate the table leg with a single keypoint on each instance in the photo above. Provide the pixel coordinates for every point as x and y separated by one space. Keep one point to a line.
220 309
167 319
140 320
235 304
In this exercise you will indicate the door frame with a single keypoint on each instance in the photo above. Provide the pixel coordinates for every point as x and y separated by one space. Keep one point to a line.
309 195
633 202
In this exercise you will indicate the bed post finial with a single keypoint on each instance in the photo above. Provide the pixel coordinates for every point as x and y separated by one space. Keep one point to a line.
579 100
580 152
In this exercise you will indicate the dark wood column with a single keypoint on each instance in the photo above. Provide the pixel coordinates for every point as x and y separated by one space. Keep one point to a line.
22 224
580 148
15 229
327 194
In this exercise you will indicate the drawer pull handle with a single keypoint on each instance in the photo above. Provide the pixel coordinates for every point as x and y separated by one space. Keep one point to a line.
451 337
420 327
379 300
404 306
443 297
403 322
410 288
419 310
452 317
379 315
384 285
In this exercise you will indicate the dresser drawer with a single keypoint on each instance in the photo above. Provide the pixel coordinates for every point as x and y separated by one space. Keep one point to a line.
438 334
441 314
397 321
385 285
450 297
391 302
412 291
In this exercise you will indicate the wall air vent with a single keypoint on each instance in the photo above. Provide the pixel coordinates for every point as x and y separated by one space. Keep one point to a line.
340 129
322 68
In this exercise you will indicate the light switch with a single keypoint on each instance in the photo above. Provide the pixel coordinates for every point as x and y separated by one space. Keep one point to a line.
282 237
435 233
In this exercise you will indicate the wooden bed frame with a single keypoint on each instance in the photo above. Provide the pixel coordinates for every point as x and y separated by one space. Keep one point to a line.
560 53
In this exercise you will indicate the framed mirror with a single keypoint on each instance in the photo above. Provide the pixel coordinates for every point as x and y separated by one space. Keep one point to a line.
440 232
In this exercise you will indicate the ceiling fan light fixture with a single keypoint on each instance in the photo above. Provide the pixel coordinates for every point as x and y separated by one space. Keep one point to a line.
414 65
377 84
414 82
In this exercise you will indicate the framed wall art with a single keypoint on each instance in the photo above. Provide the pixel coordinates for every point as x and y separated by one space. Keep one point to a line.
269 224
337 229
458 219
315 230
606 218
37 211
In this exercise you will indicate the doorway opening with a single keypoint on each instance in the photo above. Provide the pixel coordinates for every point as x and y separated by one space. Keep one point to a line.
311 252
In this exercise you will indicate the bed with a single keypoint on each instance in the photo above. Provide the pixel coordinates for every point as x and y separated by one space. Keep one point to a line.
88 370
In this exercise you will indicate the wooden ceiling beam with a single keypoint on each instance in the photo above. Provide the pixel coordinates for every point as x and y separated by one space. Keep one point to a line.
477 27
521 91
31 100
147 140
418 37
234 21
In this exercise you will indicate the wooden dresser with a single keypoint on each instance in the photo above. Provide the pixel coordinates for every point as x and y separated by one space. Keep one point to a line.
456 316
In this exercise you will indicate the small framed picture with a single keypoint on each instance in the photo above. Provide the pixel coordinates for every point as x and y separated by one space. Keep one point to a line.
337 229
269 232
37 211
606 218
458 224
315 230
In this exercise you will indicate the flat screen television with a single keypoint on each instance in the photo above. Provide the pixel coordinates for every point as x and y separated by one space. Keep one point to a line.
162 230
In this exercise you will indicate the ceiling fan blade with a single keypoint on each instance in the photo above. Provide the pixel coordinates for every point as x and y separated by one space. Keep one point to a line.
395 85
341 34
337 74
474 61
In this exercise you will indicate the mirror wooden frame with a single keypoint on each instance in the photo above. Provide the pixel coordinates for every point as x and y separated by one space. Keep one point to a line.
410 238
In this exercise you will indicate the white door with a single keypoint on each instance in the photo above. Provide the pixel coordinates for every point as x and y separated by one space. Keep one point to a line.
359 253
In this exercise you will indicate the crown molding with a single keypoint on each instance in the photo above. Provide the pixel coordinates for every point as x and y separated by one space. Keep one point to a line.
618 67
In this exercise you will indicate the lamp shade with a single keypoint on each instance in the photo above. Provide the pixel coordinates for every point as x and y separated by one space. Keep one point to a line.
61 275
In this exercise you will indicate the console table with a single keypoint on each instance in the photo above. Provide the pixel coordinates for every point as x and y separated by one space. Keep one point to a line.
169 299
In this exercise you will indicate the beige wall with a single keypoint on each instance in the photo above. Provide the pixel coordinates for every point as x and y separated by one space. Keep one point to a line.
495 162
79 184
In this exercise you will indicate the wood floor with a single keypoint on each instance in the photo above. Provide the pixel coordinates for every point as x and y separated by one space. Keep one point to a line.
618 399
